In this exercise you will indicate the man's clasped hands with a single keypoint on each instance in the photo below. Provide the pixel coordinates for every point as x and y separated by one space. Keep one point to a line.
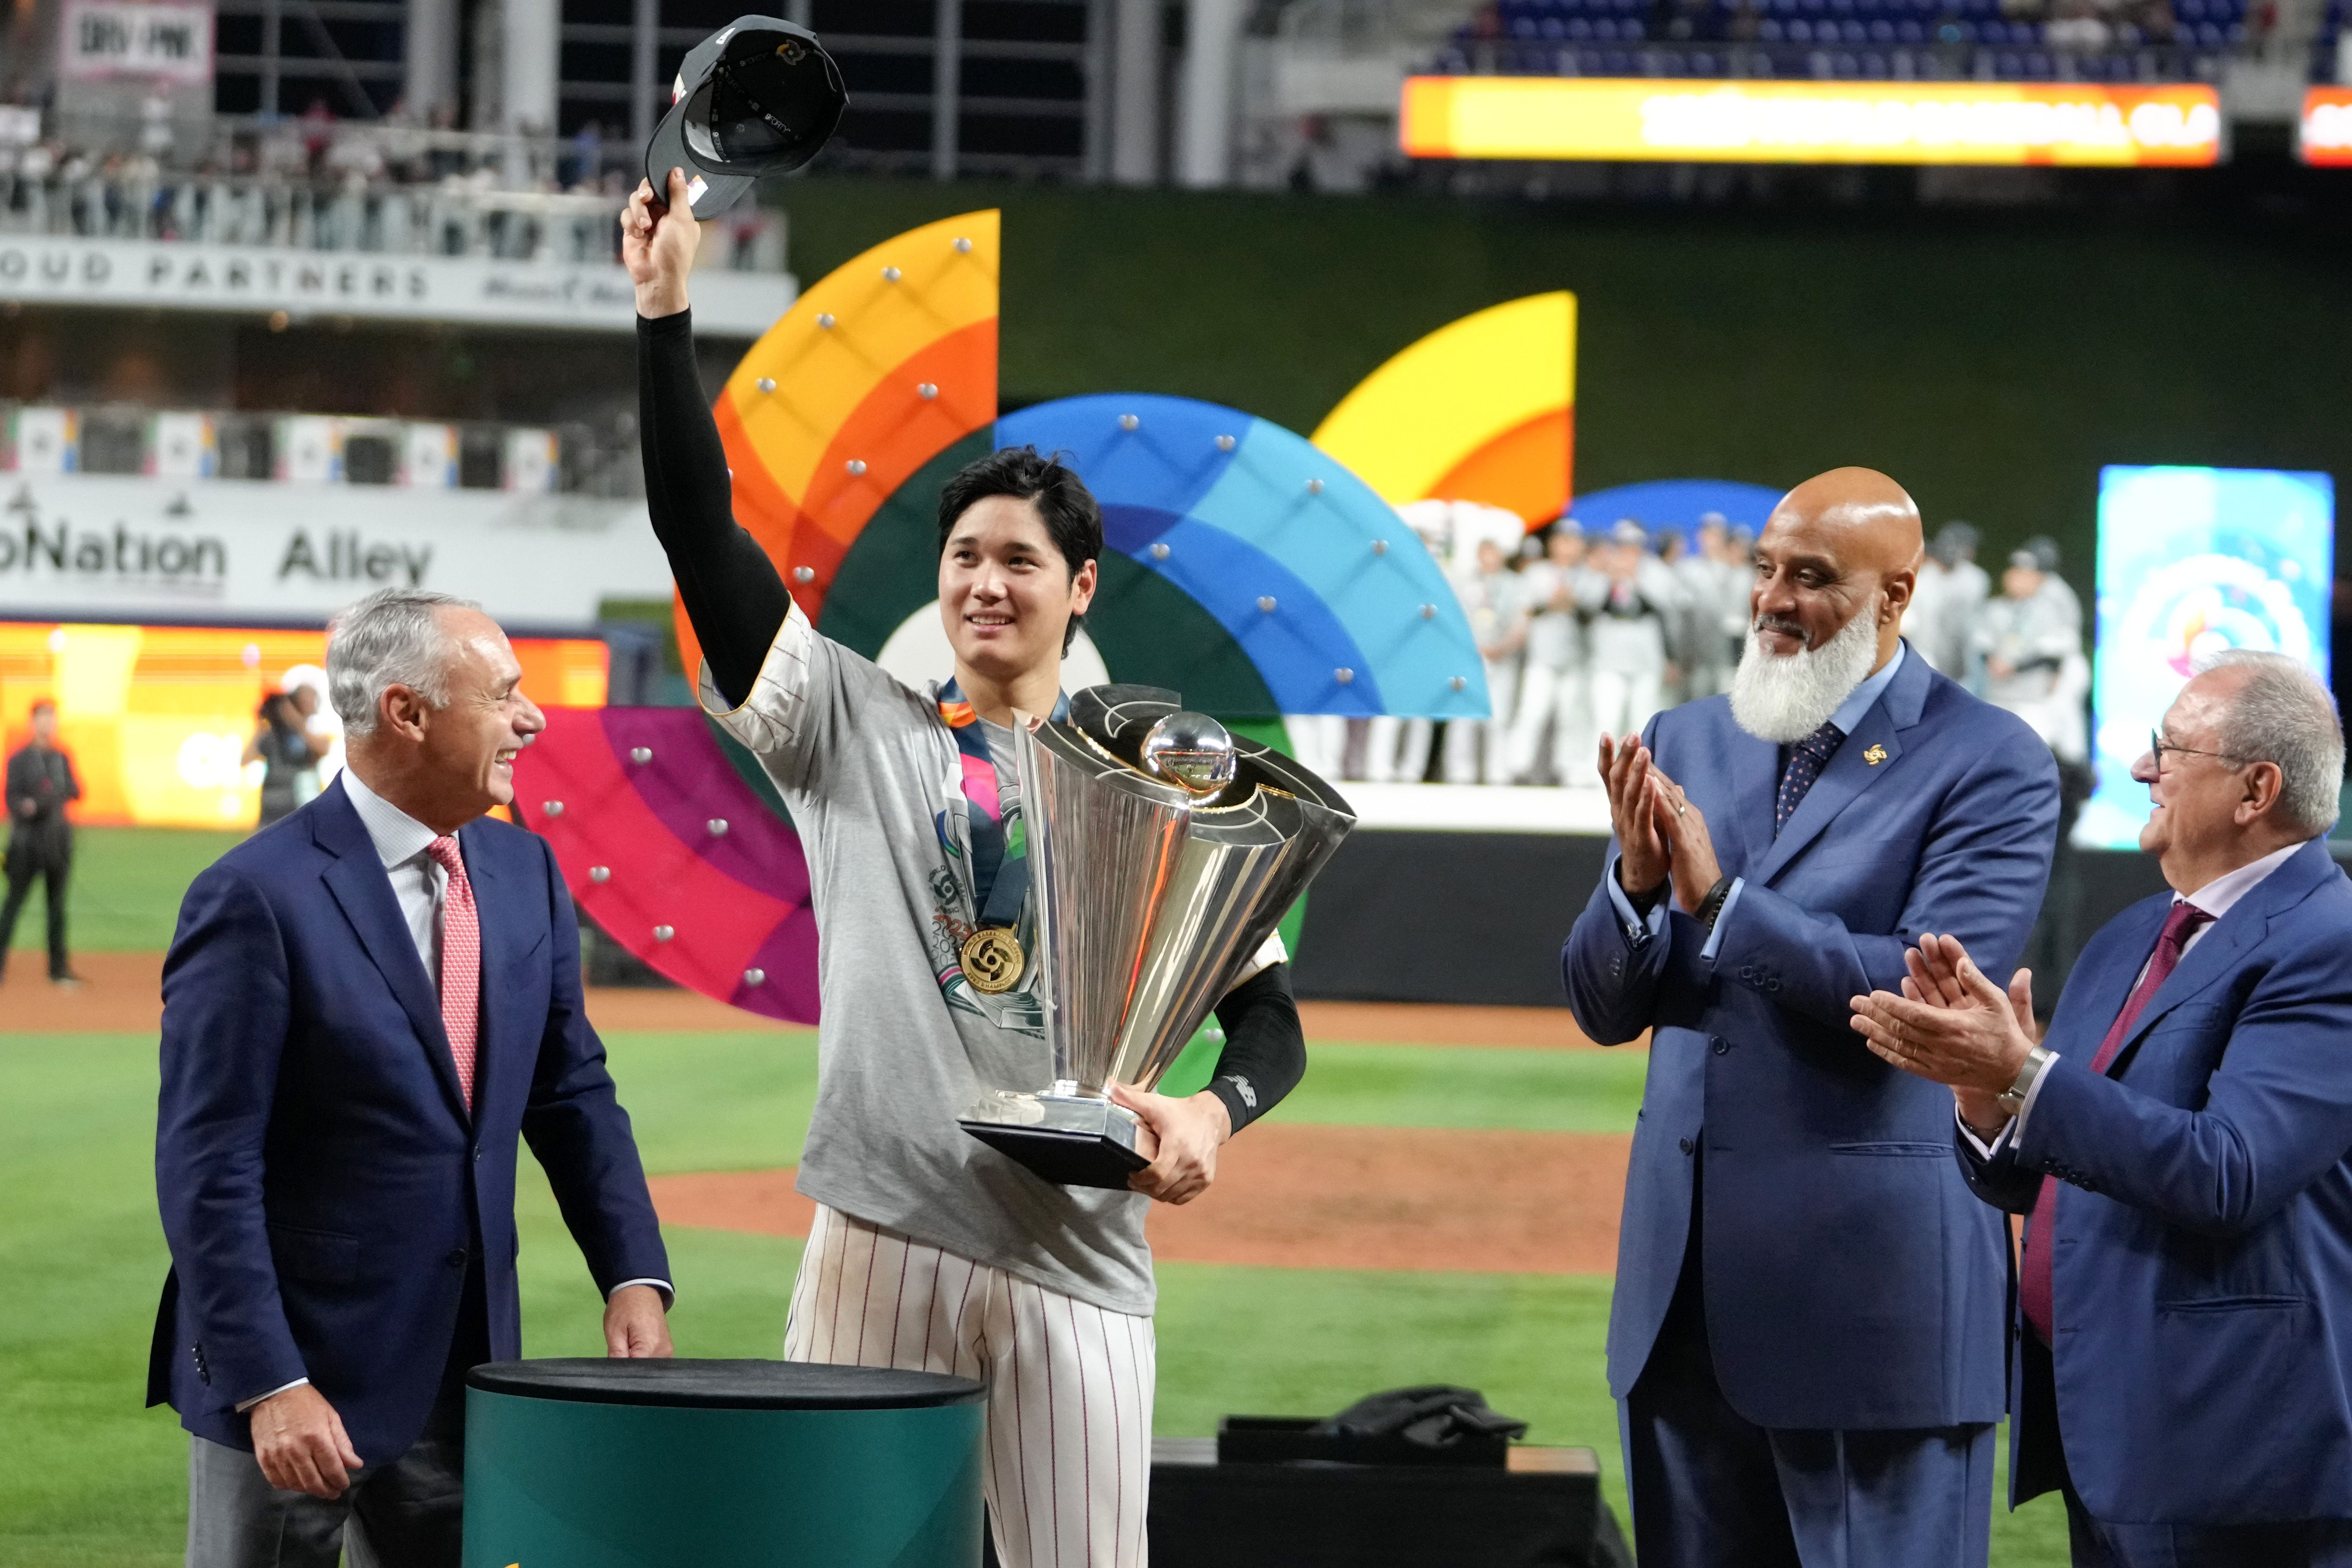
1951 1024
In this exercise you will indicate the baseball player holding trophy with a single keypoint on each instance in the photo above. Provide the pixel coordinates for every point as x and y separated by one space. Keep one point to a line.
1017 891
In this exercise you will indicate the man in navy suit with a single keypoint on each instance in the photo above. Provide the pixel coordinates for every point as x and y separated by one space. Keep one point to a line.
2183 1141
1805 1336
363 1007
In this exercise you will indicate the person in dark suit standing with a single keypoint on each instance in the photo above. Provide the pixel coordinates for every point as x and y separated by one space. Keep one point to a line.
40 840
363 1006
1805 1335
2181 1139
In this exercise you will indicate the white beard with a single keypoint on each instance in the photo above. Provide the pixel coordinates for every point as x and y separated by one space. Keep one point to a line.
1784 697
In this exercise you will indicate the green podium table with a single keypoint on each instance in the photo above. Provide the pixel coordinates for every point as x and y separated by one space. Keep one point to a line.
720 1464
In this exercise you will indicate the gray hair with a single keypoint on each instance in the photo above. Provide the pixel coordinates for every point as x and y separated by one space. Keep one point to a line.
2285 716
391 637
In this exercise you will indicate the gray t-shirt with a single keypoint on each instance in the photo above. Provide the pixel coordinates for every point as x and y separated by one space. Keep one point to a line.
874 781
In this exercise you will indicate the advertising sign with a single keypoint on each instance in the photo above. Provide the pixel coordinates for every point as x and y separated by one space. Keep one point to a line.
223 552
173 275
2193 562
156 718
1579 118
2324 134
150 40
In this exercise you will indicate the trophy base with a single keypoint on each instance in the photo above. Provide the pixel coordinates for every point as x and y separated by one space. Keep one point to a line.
1070 1139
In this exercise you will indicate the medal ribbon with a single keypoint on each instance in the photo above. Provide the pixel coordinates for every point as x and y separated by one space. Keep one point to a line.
1000 850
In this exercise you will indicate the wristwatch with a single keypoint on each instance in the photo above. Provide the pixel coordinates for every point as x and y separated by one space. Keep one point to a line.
2012 1098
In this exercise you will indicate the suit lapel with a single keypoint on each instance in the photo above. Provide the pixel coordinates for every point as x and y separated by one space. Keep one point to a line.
2218 952
1755 774
1849 773
363 890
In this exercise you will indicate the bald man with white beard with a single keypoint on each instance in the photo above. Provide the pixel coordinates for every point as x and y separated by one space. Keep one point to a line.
1806 1337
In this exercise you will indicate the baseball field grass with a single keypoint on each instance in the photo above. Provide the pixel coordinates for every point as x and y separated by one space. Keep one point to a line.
93 1479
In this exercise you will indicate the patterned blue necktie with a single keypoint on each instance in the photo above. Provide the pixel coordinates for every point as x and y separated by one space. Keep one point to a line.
1806 758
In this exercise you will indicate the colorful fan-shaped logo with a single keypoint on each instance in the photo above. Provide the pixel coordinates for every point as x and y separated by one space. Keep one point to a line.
1247 567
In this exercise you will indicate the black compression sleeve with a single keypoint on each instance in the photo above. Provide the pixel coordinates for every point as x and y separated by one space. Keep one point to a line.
732 593
1265 1048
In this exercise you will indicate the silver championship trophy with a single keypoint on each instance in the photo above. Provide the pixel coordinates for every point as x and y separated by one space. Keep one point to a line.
1164 851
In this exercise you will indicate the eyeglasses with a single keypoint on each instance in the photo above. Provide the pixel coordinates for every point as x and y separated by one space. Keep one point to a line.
2157 746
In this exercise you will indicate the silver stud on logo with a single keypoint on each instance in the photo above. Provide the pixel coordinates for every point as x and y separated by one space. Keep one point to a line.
926 391
663 934
641 755
1344 676
803 574
1380 547
1266 603
1458 683
551 808
1159 551
824 320
890 275
600 875
755 977
767 383
964 248
1315 486
1128 421
856 466
1226 443
718 826
1429 612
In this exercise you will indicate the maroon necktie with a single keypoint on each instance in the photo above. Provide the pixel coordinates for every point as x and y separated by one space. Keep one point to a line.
2034 1283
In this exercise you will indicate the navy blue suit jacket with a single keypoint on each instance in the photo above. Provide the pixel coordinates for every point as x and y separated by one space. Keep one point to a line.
1850 1280
322 1182
2202 1280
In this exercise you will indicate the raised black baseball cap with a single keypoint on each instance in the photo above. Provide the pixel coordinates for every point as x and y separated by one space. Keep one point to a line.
757 97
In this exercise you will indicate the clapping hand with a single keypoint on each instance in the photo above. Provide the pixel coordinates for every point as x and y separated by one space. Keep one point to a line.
1643 857
1953 1025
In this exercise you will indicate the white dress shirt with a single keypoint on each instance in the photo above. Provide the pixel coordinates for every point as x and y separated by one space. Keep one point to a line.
2216 898
421 885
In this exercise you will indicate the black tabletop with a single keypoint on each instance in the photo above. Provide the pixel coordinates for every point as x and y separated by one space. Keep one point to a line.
724 1384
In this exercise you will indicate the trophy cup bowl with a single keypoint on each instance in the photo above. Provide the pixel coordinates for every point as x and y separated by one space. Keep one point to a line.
1164 852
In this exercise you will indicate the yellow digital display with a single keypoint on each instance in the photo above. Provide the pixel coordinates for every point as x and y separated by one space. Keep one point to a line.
1585 118
156 718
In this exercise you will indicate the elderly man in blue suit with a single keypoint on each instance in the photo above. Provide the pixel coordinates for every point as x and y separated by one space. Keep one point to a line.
363 1008
2183 1141
1805 1337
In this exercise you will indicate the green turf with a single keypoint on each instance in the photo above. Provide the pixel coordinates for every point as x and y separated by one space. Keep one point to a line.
1423 1086
125 893
94 1481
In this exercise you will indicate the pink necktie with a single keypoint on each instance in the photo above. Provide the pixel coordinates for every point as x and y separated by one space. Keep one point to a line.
2033 1288
461 964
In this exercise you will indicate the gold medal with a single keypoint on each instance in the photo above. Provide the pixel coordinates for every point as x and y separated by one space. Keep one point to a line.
992 960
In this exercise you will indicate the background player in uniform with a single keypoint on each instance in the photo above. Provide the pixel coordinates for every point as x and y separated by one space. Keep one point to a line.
930 1250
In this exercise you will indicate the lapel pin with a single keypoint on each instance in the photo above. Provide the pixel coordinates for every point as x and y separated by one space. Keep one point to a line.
1875 755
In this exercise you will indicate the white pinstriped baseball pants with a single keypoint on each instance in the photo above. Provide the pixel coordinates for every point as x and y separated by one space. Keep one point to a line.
1069 1386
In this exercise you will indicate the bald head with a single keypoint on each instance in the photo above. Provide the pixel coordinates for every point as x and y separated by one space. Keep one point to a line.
1873 520
1842 544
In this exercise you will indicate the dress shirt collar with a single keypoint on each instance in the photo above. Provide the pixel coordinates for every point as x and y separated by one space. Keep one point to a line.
2217 897
1858 700
398 836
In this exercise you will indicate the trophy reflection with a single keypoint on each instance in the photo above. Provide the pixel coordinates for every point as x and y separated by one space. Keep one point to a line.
1164 851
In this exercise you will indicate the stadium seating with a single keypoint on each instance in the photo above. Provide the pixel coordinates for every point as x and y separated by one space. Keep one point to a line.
1854 39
